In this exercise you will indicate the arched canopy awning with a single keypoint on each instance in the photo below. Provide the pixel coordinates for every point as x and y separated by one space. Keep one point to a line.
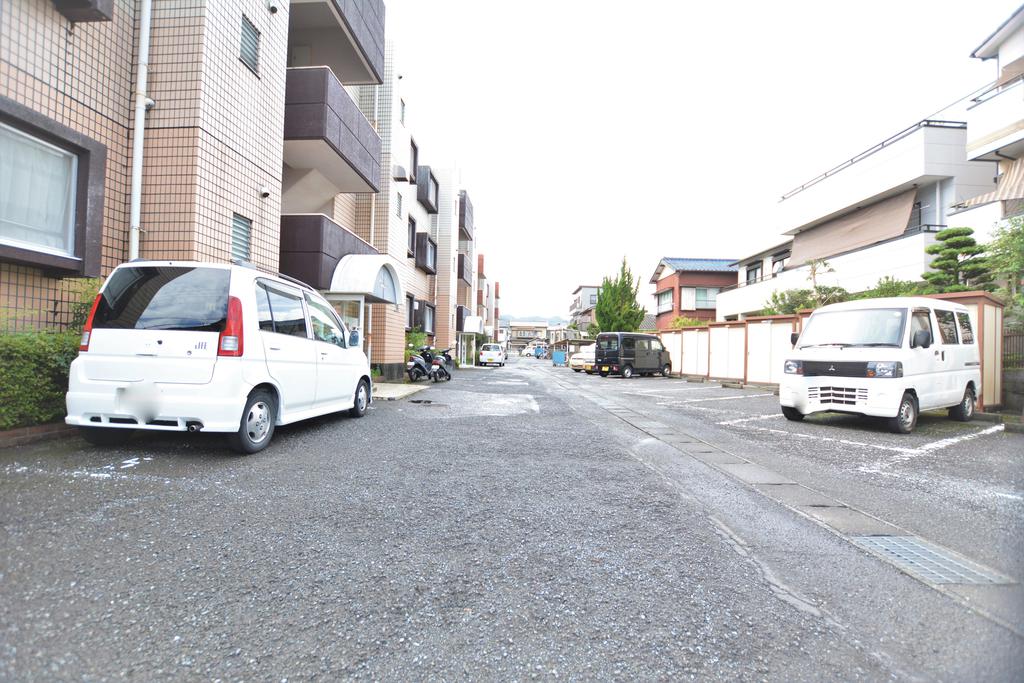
373 276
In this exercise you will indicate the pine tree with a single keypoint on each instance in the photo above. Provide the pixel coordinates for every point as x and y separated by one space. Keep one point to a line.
959 265
617 309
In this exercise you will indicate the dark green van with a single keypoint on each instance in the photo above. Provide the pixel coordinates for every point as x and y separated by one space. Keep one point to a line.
629 354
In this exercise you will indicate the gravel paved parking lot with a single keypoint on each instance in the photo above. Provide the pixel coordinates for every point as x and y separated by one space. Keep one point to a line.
514 523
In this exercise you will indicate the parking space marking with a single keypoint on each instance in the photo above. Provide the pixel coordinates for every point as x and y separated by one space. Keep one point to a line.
751 419
704 400
826 439
882 465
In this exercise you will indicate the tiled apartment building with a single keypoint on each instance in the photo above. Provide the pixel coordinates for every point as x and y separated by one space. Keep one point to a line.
276 135
257 116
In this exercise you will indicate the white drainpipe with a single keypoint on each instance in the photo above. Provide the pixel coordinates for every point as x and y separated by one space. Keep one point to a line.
142 103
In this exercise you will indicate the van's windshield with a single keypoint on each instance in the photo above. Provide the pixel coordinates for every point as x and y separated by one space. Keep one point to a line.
165 298
863 327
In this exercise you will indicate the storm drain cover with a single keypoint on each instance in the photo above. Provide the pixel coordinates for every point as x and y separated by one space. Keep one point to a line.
928 562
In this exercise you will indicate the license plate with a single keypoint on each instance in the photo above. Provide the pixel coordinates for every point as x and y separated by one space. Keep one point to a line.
604 368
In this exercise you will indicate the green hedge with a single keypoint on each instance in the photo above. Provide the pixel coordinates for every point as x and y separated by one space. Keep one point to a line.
34 376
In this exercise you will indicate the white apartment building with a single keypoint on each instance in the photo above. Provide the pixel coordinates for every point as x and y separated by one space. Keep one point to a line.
870 217
995 125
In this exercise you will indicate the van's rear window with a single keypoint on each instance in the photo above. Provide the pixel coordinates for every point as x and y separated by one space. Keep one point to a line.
164 298
608 343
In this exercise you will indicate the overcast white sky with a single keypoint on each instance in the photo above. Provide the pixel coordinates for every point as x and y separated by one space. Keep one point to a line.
586 130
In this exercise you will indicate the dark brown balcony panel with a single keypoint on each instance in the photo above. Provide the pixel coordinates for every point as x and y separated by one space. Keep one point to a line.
465 216
349 32
463 271
86 10
461 313
427 189
312 245
426 253
325 131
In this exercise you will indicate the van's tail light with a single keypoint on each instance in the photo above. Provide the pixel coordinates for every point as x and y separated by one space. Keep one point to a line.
231 340
87 330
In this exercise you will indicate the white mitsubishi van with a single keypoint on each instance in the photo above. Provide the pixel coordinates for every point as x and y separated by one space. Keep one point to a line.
179 345
888 358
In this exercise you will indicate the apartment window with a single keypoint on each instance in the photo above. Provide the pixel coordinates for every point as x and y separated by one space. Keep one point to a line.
37 194
431 255
665 301
753 273
432 190
593 299
398 205
410 312
706 297
250 48
412 236
779 262
414 160
241 238
428 318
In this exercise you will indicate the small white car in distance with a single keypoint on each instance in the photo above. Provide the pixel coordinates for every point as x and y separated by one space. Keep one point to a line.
187 346
889 358
583 360
492 354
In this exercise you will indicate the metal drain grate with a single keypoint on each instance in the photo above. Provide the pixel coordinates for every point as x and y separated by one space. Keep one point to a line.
928 562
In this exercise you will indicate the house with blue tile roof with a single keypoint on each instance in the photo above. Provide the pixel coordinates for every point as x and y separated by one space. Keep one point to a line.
689 287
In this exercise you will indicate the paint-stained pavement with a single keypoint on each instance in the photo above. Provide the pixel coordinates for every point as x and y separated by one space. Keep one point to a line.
518 522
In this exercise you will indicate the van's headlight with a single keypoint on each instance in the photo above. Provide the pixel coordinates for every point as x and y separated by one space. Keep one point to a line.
887 368
794 367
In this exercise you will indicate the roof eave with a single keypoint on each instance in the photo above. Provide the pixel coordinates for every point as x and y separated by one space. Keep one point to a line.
989 48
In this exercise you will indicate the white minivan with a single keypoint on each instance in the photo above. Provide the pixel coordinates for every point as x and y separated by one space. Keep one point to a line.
888 358
187 346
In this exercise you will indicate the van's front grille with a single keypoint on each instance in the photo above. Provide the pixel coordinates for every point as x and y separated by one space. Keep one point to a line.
847 368
847 396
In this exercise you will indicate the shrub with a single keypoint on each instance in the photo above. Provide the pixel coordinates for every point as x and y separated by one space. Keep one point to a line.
680 322
34 376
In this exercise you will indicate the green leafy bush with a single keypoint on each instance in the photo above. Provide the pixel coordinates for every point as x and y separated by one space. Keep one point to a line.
681 322
34 376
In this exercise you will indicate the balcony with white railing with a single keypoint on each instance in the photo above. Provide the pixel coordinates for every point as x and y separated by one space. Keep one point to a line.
926 152
995 122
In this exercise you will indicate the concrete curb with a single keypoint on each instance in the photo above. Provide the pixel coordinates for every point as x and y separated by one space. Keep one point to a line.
386 391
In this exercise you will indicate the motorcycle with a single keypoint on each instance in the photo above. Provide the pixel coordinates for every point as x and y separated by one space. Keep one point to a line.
419 364
439 367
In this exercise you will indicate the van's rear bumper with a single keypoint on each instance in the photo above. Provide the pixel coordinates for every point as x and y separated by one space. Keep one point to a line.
158 406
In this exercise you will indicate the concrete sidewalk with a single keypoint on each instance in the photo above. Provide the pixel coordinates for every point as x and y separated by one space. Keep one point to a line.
394 391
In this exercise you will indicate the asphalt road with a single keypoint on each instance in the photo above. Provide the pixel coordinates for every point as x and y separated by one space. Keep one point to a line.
527 522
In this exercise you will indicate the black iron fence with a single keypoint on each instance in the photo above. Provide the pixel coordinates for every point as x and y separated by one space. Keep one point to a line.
1013 350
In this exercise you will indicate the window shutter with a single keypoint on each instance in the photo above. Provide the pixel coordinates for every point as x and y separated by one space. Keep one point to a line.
241 238
688 298
250 50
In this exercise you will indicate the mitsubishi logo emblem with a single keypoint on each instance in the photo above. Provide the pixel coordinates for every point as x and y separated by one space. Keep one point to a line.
831 368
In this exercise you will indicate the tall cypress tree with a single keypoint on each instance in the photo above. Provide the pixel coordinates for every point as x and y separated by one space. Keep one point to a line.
617 309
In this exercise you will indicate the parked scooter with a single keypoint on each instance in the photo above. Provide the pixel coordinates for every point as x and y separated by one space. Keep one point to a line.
439 367
419 364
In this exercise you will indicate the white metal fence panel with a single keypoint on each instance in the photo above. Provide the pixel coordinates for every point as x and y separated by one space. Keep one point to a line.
759 352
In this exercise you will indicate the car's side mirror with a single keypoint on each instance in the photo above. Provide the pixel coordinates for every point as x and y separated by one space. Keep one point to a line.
353 338
794 338
921 338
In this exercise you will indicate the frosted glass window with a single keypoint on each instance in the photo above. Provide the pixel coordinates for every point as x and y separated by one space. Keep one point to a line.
37 194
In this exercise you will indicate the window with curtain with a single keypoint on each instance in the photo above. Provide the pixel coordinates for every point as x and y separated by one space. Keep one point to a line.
37 193
665 301
706 297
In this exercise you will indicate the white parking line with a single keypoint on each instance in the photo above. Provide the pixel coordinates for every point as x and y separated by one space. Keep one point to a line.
703 400
908 454
751 419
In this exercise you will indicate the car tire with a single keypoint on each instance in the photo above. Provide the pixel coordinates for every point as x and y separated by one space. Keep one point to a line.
792 414
105 436
906 416
576 370
964 411
627 372
256 426
362 400
666 370
603 373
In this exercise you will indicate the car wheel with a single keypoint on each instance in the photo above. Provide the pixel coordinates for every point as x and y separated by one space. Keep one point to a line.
603 373
792 414
666 370
576 370
964 411
627 371
362 401
256 427
105 436
906 417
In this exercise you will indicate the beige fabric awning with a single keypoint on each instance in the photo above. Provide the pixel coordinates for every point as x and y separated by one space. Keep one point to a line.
880 221
1011 186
